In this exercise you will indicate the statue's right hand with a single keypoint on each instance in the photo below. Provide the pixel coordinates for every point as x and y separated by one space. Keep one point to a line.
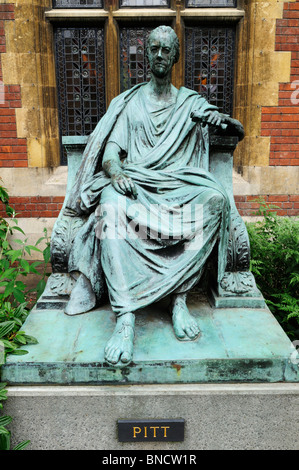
123 184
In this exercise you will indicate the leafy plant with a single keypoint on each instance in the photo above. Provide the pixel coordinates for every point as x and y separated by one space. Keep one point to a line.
275 263
15 298
11 337
14 267
5 435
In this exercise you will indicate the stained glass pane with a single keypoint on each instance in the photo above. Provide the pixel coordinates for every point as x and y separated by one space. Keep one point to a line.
144 3
209 64
133 64
78 3
80 79
210 3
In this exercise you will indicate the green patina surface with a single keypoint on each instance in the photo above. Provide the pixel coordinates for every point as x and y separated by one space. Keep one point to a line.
246 345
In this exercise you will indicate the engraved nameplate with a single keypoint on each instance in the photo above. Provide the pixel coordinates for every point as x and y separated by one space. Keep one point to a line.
167 430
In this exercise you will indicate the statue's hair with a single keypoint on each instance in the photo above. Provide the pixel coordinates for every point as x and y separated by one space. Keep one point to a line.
171 32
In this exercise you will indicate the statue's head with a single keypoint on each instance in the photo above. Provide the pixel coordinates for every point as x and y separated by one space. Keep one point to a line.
163 49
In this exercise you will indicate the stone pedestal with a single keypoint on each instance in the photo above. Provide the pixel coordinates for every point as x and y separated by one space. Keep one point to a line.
217 416
236 386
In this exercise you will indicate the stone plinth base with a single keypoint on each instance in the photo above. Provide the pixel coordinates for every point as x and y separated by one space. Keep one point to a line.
236 345
217 416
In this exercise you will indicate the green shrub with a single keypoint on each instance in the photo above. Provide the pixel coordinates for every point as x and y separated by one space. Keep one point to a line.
5 434
15 297
274 245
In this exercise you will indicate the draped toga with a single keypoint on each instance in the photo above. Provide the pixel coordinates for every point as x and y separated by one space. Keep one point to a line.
159 243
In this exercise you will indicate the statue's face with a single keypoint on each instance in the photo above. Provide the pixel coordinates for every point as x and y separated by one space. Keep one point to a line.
161 54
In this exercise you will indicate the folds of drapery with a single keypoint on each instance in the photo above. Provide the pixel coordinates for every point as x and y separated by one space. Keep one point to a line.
173 173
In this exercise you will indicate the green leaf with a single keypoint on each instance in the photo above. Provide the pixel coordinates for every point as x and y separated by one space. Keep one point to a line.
3 395
19 352
40 287
20 285
25 265
5 420
4 194
19 295
15 227
36 263
9 211
33 267
5 244
20 310
22 445
14 255
8 344
9 288
6 327
33 270
30 339
17 320
7 273
4 263
5 441
47 254
20 338
31 247
40 240
18 241
3 430
27 249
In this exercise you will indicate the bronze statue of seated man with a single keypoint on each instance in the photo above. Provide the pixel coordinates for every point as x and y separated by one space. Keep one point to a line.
153 213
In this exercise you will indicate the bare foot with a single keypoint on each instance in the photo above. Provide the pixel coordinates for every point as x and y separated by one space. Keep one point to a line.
120 345
184 325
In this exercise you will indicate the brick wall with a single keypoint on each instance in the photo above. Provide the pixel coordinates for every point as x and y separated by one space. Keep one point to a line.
13 151
285 204
40 206
35 206
281 123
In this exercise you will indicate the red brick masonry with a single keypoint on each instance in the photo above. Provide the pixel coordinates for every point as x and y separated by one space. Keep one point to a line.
38 206
285 204
34 206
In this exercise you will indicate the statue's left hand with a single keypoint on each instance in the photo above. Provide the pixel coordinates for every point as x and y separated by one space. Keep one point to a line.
215 118
212 118
227 124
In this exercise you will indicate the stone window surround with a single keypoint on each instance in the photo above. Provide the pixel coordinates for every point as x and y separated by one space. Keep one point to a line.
205 13
111 15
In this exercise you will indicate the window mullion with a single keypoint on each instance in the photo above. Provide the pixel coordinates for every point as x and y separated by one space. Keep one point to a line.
178 69
112 53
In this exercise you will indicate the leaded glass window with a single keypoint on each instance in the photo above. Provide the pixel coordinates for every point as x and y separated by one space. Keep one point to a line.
133 64
78 3
206 64
80 79
209 64
144 3
210 3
